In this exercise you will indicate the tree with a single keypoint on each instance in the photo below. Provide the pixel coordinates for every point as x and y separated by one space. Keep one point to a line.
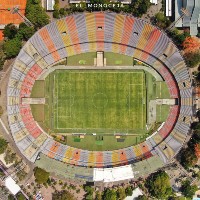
62 195
177 198
3 145
2 56
158 185
161 20
56 14
196 137
188 190
9 157
62 11
1 111
110 194
121 193
129 191
191 44
10 197
36 1
197 150
36 14
25 32
98 196
10 31
192 59
141 197
21 175
89 189
12 47
188 158
89 192
89 197
178 37
20 196
41 176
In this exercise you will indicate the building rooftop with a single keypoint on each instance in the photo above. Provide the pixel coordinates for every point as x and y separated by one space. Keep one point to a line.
12 186
191 20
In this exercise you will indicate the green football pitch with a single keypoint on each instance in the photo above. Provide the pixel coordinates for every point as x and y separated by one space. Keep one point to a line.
96 101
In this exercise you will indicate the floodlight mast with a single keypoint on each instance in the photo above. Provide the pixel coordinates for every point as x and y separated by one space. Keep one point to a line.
26 21
184 12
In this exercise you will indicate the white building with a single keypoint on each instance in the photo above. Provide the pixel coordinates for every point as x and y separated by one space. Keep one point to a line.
50 4
168 8
12 186
113 174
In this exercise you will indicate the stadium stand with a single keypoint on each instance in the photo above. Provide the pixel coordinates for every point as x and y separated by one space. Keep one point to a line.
91 32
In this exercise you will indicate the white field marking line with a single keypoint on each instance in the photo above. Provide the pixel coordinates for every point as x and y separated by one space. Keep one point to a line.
142 100
63 116
107 72
54 85
4 126
57 104
160 113
160 90
142 84
136 84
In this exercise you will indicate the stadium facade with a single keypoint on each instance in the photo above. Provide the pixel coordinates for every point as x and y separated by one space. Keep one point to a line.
107 32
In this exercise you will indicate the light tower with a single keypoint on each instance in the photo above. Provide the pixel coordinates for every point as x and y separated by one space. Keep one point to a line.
26 21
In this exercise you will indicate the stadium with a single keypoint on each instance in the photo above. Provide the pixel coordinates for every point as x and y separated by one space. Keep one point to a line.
75 79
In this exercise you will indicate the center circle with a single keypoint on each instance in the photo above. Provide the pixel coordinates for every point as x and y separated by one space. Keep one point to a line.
100 100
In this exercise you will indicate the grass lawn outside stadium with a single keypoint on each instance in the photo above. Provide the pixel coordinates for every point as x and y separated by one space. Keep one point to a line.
99 103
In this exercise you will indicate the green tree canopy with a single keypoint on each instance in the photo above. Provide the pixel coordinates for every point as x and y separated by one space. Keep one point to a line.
178 37
10 197
62 195
89 189
192 59
2 55
158 185
12 47
161 20
36 14
188 158
121 195
3 145
25 32
141 197
188 190
41 176
98 196
196 137
129 191
20 196
10 31
110 194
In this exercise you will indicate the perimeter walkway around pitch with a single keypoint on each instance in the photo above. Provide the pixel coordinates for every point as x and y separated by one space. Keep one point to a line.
47 71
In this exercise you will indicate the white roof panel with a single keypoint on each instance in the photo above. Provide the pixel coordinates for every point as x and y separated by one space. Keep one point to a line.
113 174
12 186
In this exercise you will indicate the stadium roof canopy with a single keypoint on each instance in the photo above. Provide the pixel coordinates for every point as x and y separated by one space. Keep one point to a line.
154 1
113 174
12 186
